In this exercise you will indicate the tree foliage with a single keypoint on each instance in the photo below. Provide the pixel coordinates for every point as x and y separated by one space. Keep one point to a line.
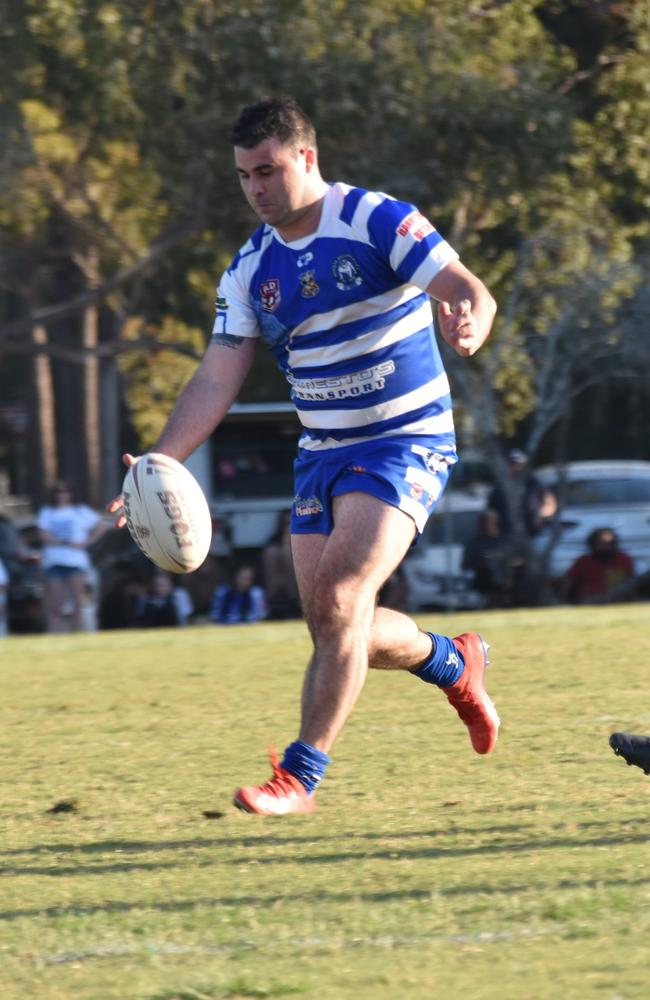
521 128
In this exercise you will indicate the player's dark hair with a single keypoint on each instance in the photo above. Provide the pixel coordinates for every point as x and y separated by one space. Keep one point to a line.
273 118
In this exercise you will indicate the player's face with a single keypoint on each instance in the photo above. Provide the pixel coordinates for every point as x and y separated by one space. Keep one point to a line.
276 180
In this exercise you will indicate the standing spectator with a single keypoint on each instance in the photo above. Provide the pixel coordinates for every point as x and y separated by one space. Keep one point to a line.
527 488
490 557
241 602
163 604
67 530
278 573
593 577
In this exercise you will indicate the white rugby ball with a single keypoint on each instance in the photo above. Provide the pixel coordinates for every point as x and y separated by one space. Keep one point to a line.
166 513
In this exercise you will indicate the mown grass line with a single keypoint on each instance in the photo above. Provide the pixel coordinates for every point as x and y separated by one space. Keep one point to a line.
425 870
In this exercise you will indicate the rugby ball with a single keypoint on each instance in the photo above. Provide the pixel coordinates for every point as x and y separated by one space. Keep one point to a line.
166 513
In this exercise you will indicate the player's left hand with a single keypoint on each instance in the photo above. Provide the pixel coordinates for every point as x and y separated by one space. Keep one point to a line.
459 328
116 505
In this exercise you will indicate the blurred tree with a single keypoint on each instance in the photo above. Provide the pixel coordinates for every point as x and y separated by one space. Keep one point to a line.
521 128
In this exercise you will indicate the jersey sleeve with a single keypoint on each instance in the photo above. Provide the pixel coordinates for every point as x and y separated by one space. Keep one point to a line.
234 311
415 249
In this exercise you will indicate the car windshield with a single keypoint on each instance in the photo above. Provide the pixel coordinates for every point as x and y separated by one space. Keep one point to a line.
583 492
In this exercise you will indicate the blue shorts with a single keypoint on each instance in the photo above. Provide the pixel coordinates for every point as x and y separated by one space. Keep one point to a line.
405 472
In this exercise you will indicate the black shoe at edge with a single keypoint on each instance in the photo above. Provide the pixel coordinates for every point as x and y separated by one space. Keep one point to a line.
633 749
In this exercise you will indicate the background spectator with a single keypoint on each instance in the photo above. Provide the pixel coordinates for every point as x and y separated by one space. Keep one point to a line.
67 529
243 601
529 491
163 604
490 557
278 573
594 577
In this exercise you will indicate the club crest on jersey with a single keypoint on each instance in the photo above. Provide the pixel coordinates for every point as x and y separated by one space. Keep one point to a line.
270 294
346 271
308 282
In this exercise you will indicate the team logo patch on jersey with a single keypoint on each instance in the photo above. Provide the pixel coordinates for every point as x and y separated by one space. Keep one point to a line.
308 282
270 294
416 225
346 271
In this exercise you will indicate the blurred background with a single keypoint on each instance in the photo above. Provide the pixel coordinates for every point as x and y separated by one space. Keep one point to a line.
520 128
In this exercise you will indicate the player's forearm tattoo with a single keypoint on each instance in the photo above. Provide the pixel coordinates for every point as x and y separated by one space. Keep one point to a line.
226 339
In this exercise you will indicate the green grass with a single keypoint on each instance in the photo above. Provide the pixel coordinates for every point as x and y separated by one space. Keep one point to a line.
425 872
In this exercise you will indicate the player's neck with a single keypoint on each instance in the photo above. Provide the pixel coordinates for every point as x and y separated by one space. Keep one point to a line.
304 221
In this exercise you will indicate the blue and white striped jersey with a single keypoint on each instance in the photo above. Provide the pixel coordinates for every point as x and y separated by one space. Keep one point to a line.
346 316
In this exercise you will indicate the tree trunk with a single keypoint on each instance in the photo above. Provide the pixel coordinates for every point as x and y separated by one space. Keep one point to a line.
111 481
91 440
45 463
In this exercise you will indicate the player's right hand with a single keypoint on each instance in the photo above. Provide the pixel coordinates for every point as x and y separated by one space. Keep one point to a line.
116 506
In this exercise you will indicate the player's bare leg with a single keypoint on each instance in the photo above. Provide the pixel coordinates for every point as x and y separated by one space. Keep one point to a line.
339 576
345 574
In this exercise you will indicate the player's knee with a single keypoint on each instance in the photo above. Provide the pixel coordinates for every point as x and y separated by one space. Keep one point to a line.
339 606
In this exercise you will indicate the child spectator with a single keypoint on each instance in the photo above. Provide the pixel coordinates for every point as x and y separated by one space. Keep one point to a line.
163 604
241 602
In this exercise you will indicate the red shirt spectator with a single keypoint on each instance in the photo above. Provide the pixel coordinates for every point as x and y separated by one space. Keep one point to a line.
594 577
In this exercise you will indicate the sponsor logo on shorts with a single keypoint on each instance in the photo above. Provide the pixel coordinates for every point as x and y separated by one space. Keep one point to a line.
308 505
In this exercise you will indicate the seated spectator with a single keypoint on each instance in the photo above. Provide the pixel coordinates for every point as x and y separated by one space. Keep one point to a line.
278 573
489 556
13 551
594 577
241 602
163 604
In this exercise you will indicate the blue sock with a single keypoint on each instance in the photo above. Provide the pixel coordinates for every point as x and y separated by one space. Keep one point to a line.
306 763
445 664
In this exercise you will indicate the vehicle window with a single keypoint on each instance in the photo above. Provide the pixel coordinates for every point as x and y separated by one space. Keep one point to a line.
254 459
582 492
451 527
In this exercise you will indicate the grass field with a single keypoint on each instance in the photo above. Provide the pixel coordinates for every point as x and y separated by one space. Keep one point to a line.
425 872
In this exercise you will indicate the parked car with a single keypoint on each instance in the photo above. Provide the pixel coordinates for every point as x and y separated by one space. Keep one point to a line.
433 570
605 494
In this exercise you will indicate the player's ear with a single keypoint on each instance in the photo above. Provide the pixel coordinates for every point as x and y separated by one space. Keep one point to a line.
310 158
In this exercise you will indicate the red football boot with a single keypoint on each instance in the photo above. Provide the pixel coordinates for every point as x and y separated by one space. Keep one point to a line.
468 694
282 794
